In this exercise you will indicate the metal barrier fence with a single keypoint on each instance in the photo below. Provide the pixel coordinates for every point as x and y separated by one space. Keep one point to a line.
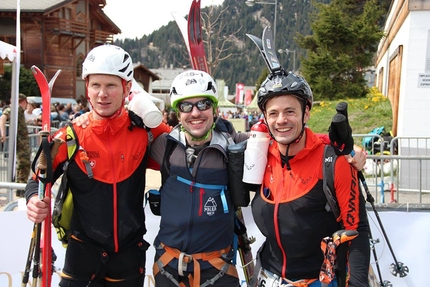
408 171
7 188
400 165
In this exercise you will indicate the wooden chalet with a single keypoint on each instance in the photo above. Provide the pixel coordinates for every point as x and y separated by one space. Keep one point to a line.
57 34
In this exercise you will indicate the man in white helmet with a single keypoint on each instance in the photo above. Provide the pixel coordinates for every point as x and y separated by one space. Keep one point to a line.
107 180
194 243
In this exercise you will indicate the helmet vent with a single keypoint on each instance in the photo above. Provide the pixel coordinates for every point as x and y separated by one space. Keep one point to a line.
211 87
173 92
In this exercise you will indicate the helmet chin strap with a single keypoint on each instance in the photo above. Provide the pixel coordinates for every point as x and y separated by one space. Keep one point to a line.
118 112
204 137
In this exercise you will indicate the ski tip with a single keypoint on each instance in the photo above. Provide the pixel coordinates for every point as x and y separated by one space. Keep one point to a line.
35 69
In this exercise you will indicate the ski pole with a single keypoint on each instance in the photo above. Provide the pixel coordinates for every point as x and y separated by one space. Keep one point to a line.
29 256
42 167
397 268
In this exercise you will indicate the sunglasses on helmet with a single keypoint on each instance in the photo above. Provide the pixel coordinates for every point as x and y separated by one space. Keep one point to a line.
202 105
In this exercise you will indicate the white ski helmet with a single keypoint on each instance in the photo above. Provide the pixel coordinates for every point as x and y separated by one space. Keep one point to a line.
193 84
109 60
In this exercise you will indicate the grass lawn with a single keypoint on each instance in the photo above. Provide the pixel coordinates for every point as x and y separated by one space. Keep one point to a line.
364 114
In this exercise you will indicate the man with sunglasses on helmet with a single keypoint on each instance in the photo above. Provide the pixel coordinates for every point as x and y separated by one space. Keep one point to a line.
194 243
107 180
289 209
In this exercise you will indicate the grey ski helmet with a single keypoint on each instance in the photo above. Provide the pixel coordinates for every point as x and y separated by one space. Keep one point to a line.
281 83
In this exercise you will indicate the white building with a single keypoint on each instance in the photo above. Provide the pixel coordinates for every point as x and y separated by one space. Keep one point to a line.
403 75
403 66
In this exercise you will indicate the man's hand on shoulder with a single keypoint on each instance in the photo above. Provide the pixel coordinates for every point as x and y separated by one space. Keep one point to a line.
83 120
359 159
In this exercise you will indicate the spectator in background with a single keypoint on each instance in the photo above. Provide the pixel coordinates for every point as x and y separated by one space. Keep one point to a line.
22 142
30 116
165 117
69 108
54 113
173 119
77 111
83 103
64 116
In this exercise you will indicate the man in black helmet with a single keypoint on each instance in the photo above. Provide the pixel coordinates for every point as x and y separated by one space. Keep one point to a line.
290 209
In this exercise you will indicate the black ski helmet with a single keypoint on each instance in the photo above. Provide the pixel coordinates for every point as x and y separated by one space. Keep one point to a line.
281 83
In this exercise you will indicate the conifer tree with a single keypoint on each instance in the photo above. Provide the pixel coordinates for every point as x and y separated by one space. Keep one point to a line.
345 38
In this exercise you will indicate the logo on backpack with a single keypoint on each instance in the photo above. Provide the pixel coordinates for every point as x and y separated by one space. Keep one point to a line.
210 206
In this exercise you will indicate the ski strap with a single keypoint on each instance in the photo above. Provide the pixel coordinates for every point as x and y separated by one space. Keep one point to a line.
45 147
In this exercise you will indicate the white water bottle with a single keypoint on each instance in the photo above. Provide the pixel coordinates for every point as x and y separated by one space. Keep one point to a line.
256 153
142 106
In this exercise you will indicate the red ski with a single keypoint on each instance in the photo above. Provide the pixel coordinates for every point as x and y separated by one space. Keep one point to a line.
45 187
195 39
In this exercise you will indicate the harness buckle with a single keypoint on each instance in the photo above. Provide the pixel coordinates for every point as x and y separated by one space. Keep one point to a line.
182 264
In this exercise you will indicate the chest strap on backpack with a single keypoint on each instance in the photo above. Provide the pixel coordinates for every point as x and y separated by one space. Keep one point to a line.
208 186
214 258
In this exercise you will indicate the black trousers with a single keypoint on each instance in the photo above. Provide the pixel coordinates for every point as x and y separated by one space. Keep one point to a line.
89 265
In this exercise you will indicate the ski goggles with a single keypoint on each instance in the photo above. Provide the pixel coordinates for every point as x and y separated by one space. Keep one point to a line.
202 105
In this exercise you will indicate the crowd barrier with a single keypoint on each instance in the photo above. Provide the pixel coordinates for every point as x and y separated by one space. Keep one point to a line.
403 166
406 170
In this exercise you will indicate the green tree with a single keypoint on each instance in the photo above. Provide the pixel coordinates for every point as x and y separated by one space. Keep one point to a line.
27 83
345 38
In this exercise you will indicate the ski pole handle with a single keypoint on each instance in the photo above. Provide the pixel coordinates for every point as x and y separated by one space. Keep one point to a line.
340 132
55 147
42 165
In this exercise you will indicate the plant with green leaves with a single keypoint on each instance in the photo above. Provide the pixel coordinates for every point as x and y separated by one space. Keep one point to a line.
345 38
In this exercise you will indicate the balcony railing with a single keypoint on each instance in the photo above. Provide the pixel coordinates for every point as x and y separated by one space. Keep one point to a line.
66 27
99 36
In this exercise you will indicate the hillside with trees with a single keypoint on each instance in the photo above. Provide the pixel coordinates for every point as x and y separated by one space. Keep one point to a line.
233 57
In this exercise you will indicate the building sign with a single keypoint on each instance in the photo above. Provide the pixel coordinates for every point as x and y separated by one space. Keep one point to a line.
424 80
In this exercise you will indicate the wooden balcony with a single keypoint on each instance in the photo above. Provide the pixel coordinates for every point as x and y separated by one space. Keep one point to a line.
66 27
100 37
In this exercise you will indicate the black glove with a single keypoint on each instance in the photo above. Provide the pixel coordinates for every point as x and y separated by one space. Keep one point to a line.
340 132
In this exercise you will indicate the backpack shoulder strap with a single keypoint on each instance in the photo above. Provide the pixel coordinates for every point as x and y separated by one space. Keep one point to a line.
329 161
73 147
72 142
165 165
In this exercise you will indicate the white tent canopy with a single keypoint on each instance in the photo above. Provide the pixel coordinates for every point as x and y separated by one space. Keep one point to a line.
7 51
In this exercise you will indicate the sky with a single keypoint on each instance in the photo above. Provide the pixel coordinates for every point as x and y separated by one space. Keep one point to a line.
136 18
